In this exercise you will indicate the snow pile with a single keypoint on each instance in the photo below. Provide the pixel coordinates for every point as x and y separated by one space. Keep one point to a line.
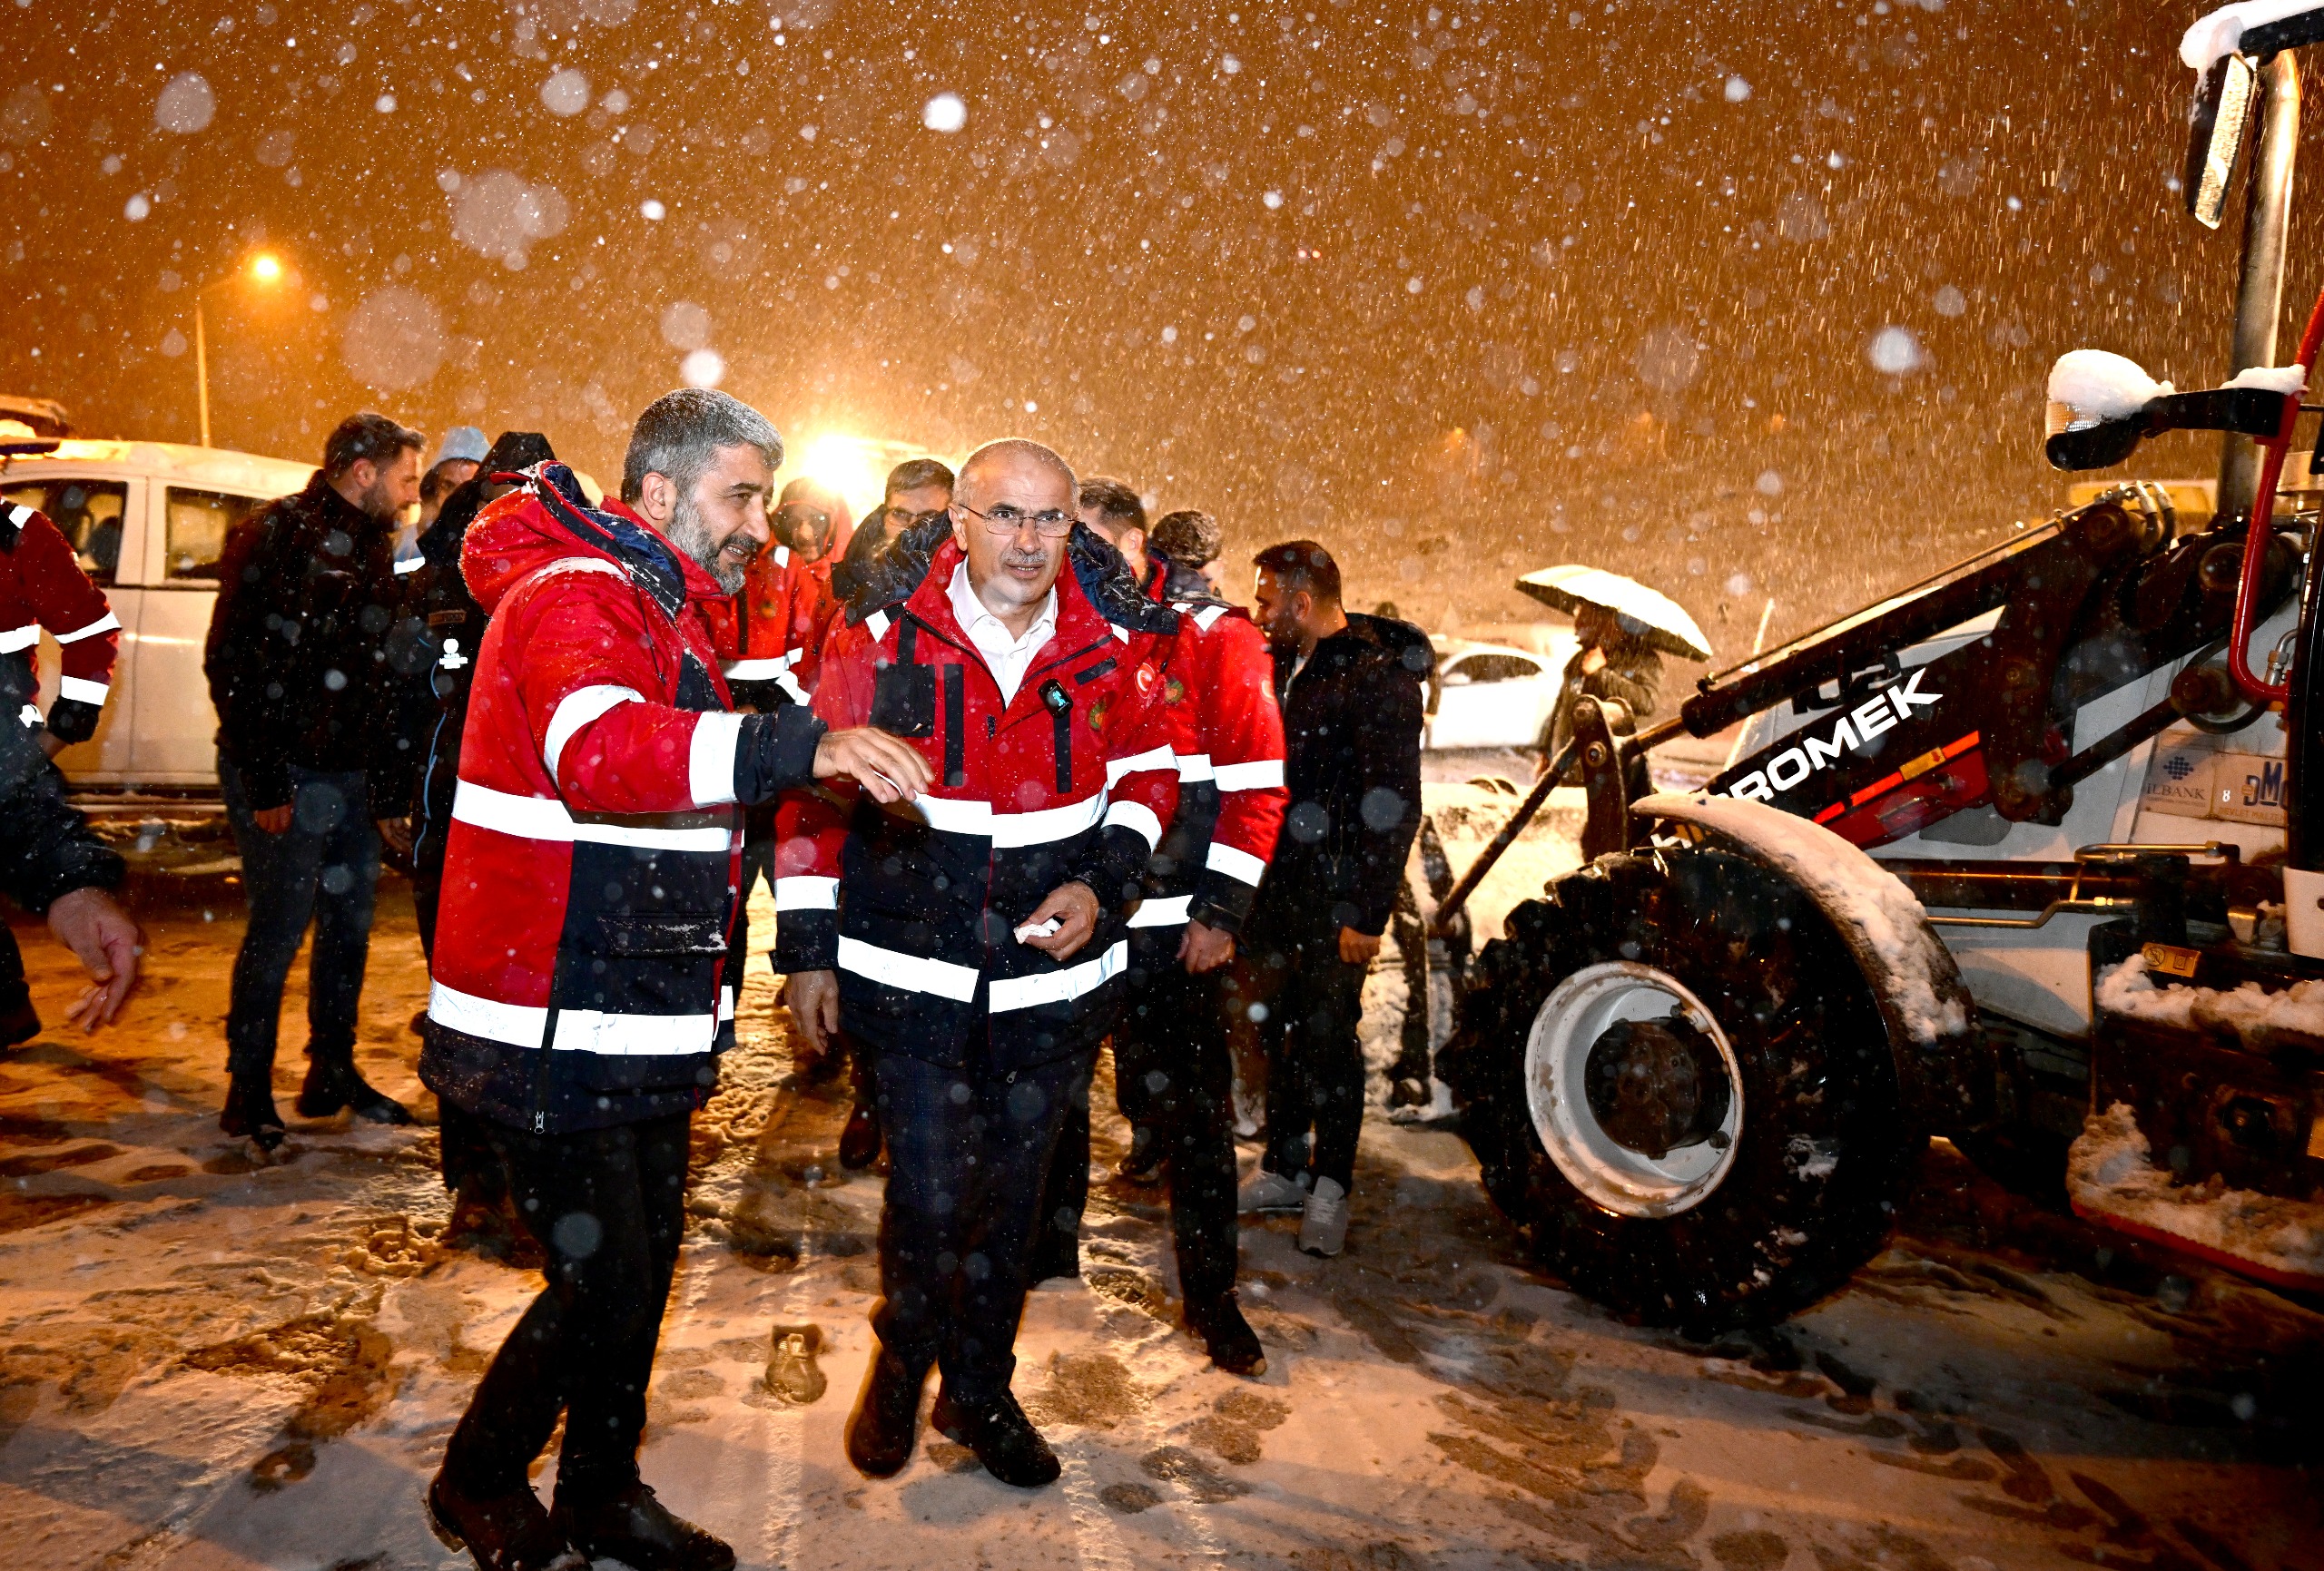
2099 385
2256 1015
2111 1175
2287 379
2217 35
1920 984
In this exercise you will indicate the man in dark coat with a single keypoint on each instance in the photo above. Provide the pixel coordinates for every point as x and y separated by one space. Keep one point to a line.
455 626
1351 721
304 655
1613 662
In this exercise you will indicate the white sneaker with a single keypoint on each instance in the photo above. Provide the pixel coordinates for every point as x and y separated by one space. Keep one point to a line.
1270 1194
1323 1226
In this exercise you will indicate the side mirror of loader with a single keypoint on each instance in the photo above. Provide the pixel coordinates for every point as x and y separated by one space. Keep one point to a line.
2218 126
2102 407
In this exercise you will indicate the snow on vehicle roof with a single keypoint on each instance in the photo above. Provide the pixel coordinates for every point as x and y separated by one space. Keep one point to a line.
2100 385
1845 881
2215 36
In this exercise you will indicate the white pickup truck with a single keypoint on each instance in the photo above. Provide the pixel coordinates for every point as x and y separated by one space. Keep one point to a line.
149 520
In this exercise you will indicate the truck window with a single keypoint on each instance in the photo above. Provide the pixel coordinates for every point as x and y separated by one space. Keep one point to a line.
199 523
89 511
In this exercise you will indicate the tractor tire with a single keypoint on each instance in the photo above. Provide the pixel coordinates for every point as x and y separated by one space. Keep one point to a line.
1788 1178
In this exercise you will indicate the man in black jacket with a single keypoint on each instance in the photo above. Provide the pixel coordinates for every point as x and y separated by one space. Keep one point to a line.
305 641
1351 720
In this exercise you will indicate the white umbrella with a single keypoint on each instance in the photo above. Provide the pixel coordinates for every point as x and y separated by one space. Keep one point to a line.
1645 612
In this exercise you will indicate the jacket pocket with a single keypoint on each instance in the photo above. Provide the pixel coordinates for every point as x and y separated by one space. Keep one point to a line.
903 699
661 934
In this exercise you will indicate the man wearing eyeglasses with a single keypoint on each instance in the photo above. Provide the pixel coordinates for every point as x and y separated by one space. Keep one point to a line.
916 487
977 940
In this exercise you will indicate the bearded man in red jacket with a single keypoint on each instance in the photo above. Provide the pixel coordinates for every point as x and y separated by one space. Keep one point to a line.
580 996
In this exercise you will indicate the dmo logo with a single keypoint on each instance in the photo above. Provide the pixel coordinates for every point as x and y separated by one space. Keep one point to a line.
1791 767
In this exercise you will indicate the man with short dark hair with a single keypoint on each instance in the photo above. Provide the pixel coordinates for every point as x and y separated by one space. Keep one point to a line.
1172 1072
916 487
309 644
581 992
1351 721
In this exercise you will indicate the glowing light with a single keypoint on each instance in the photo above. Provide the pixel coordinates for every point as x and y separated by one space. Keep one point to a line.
850 465
266 268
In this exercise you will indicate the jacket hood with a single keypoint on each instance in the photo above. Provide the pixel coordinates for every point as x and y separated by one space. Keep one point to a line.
549 520
1180 585
889 578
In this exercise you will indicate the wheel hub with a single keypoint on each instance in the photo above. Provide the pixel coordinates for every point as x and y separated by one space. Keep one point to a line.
1656 1085
1634 1089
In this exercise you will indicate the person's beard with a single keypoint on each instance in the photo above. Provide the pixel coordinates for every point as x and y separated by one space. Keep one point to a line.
378 501
690 534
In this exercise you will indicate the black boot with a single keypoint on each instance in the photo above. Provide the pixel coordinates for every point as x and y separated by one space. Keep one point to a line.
504 1532
1234 1345
629 1525
885 1425
250 1112
333 1082
859 1142
1001 1435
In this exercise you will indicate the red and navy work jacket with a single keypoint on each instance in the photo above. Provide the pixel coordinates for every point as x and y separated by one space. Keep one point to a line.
916 905
42 585
594 845
1218 687
779 620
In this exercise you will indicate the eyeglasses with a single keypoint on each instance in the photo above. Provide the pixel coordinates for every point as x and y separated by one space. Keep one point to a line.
1007 519
796 514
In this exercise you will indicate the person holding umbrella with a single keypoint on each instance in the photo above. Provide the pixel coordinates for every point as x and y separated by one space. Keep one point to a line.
1624 628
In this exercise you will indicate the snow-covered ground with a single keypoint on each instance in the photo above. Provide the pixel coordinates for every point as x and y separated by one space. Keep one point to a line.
204 1363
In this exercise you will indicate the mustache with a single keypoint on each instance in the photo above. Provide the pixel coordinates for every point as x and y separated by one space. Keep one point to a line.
1016 556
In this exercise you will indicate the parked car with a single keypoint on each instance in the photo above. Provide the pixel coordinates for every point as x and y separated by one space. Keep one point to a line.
149 520
1493 695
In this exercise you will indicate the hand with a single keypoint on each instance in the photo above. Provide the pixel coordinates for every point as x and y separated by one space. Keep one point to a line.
107 943
396 833
1357 949
273 821
814 997
1076 910
1594 662
890 769
1206 949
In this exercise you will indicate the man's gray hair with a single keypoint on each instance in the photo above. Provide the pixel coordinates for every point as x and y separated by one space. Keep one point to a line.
680 434
1019 447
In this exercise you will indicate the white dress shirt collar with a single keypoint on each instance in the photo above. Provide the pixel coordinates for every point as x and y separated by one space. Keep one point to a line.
1006 655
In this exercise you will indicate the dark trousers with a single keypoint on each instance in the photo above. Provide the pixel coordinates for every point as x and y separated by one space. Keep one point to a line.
321 871
607 1206
967 1152
18 1020
1173 1076
758 861
1313 1000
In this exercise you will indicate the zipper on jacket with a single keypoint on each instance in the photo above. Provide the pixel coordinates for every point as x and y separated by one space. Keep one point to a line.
540 1074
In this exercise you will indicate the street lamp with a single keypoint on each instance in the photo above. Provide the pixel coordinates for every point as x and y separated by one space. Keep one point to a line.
265 268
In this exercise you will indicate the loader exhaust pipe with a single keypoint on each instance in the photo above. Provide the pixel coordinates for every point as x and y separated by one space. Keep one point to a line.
2260 294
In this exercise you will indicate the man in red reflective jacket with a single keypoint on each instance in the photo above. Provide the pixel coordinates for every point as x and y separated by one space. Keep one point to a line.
977 940
1173 1070
579 999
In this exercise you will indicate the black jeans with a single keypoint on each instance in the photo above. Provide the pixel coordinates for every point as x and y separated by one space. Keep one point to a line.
1312 1001
966 1154
608 1207
1174 1076
323 871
